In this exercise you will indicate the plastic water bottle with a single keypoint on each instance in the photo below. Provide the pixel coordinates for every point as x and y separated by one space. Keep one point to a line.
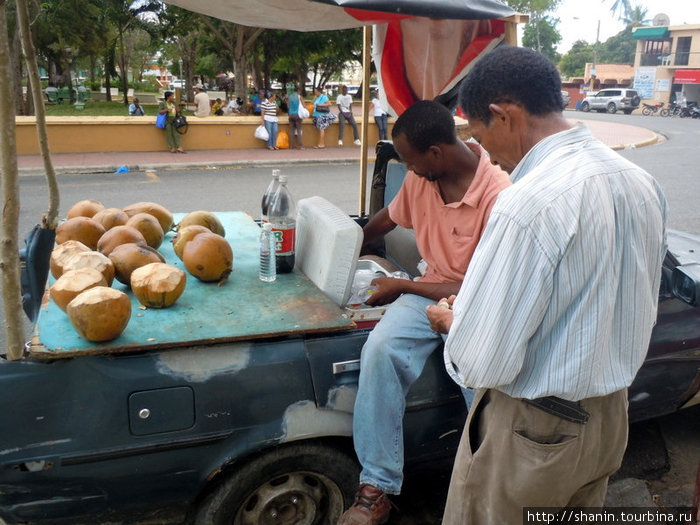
268 271
282 216
269 193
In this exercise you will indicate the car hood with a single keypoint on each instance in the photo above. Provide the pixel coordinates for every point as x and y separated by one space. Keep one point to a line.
684 246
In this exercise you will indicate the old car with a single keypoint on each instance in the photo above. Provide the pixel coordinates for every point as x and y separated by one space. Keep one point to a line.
238 408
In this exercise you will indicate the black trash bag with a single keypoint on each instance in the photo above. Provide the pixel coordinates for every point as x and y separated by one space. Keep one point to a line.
35 258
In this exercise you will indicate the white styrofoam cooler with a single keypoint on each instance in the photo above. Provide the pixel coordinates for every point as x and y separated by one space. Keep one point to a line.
327 246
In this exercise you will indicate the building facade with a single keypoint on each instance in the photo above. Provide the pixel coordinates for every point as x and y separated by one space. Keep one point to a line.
667 63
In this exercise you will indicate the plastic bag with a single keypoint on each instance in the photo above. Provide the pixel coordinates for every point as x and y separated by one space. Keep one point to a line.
160 120
261 133
303 112
282 140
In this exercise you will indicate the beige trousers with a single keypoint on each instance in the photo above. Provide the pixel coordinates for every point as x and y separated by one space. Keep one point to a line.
513 456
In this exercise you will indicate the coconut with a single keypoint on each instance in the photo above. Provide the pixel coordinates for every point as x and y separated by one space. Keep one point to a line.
111 217
158 285
208 257
86 208
203 218
62 253
100 313
149 227
127 257
94 260
117 236
74 282
185 235
83 229
165 218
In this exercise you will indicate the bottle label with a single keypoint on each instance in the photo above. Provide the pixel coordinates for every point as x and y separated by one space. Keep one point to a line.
284 240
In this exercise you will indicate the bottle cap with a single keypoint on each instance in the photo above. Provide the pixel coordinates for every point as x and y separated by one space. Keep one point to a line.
283 178
267 226
275 173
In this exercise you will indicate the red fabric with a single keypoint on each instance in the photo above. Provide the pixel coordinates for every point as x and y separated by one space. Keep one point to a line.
373 16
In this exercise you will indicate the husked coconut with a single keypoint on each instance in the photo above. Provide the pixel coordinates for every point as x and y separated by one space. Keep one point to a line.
117 236
158 285
85 208
149 227
83 229
91 259
208 257
111 217
100 313
74 282
62 253
165 218
127 257
203 218
185 235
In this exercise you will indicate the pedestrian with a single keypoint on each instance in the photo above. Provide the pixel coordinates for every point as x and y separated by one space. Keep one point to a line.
168 106
295 131
322 116
217 108
555 314
135 108
380 114
344 103
201 102
234 106
255 100
268 110
446 198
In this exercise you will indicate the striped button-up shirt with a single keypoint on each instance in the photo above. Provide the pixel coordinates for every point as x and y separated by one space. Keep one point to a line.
561 295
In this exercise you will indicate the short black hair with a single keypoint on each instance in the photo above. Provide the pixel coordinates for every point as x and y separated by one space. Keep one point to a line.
514 74
426 123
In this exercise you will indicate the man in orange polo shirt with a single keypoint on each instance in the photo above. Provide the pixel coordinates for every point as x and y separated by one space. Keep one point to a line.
446 199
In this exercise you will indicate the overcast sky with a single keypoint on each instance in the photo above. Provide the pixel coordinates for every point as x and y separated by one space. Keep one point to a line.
578 19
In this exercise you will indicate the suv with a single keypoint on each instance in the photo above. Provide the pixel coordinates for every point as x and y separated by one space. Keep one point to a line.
611 100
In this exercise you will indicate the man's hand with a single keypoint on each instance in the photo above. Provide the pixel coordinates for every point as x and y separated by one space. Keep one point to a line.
440 315
388 290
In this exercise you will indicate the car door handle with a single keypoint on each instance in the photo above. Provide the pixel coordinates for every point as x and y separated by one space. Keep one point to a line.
346 366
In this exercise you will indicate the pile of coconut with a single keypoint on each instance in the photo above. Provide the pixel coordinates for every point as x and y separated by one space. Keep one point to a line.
96 245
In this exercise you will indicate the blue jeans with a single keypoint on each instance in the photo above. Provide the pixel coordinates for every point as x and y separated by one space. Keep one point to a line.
382 125
392 359
271 128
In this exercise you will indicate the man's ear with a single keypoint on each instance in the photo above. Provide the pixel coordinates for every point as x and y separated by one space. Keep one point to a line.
498 112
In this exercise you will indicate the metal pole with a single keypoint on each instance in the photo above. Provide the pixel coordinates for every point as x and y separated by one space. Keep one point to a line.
364 134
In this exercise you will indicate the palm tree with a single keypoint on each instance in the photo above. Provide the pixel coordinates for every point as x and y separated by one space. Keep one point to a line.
636 17
623 7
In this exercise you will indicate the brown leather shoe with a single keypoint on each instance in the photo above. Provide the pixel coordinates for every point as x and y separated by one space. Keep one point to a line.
371 507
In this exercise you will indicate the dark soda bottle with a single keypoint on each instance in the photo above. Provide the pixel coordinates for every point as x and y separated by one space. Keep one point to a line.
269 193
282 216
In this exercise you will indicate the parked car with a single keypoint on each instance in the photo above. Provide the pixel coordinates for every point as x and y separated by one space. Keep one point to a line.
246 430
612 100
565 97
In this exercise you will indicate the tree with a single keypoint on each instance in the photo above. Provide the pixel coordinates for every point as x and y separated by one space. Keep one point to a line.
542 35
537 9
573 63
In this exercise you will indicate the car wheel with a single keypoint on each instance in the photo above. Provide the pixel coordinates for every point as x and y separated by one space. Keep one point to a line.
612 108
585 107
307 484
636 100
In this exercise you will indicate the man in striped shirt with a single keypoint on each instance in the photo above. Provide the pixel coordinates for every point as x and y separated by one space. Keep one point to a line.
555 313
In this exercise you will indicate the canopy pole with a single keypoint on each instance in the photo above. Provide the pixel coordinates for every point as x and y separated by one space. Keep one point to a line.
366 58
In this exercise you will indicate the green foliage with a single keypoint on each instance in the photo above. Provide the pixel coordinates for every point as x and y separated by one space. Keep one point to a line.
573 63
542 35
618 49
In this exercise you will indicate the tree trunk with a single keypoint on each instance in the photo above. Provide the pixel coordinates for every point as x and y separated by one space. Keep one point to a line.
51 219
123 65
9 249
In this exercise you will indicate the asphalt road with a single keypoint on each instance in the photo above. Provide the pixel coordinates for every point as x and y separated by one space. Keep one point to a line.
664 453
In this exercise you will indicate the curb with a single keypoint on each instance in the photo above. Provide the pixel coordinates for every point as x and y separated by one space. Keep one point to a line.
106 168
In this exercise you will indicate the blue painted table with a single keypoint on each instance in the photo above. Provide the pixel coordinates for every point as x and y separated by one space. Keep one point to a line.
242 308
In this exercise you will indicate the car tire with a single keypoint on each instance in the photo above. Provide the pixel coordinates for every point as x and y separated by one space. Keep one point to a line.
636 100
585 107
307 483
611 108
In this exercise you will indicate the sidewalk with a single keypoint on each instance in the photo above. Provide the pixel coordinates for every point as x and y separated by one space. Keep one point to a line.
615 135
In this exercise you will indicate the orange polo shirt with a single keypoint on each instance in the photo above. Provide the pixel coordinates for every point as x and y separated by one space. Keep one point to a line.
447 234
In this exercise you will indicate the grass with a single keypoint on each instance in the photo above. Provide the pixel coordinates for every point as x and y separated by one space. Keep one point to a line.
92 109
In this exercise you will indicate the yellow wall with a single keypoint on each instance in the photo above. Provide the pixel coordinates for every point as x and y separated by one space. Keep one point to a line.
103 134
